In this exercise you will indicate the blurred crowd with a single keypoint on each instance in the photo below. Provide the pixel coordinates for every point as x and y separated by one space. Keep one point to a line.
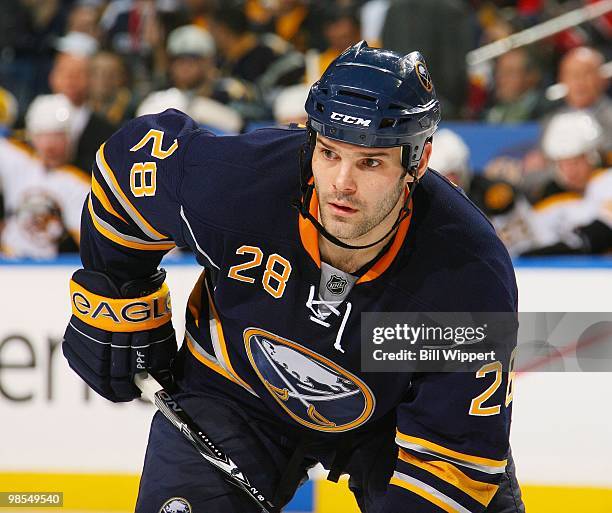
72 71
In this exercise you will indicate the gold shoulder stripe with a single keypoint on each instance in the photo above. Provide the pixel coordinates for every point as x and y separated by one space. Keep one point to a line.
76 172
439 449
427 493
101 196
599 173
131 210
209 363
218 339
124 240
477 490
22 147
555 199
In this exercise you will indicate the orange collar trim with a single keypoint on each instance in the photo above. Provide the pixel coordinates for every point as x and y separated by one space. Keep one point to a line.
308 233
310 240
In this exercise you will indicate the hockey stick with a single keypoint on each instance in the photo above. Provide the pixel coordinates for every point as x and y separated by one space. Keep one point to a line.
170 408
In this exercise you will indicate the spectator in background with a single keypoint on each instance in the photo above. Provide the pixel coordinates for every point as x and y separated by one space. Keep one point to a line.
8 111
192 75
581 73
575 213
289 105
191 52
341 30
28 30
84 17
70 76
110 95
296 21
135 30
517 97
198 12
507 209
263 63
372 16
8 114
43 196
442 30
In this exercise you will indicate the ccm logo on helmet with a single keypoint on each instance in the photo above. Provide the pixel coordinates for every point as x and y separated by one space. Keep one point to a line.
353 120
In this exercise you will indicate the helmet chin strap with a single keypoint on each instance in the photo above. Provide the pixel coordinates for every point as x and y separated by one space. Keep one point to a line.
303 205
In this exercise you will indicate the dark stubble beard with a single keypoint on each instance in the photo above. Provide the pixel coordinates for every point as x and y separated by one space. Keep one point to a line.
377 213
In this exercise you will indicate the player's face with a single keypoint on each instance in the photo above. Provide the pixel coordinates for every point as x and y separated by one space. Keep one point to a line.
575 172
53 148
357 187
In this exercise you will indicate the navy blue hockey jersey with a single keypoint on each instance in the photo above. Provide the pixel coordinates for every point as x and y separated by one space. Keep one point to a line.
253 323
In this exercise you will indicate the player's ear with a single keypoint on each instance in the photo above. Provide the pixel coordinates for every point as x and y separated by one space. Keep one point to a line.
424 162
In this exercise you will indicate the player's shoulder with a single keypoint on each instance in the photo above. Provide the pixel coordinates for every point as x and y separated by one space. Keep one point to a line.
163 127
454 254
253 150
72 174
246 182
448 209
15 148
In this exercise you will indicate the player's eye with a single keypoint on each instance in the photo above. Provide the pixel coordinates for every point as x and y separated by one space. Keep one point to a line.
328 154
371 162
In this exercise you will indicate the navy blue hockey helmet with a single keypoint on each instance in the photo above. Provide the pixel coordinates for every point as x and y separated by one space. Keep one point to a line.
376 98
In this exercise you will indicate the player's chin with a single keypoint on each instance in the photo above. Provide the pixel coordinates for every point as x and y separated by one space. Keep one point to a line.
343 230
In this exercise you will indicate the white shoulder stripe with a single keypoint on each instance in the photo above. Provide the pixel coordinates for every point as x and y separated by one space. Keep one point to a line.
119 197
205 354
204 254
128 238
468 464
454 505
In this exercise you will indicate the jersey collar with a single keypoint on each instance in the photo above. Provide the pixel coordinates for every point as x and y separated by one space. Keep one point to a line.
310 241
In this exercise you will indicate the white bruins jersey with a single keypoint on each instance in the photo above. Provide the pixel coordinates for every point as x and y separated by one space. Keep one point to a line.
555 218
40 204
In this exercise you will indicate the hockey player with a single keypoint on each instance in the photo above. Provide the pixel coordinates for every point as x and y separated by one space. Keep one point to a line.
43 195
575 213
299 231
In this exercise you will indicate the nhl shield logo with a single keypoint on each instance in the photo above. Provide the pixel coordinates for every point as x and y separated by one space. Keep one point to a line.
176 505
313 390
336 284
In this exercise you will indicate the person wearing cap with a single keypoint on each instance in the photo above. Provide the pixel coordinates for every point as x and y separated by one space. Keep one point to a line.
43 194
191 50
192 74
254 67
574 214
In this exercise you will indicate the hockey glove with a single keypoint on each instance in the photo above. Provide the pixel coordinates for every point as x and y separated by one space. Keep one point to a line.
116 332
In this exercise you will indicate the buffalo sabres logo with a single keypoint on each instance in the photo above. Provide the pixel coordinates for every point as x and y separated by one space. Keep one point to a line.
424 76
313 390
176 505
336 284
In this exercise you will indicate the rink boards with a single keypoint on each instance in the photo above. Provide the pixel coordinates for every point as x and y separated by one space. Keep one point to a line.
55 434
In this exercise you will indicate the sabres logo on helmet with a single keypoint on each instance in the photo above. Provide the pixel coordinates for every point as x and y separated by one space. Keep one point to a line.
424 76
312 390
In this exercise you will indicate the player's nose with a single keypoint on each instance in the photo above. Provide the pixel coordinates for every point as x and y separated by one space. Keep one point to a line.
344 181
